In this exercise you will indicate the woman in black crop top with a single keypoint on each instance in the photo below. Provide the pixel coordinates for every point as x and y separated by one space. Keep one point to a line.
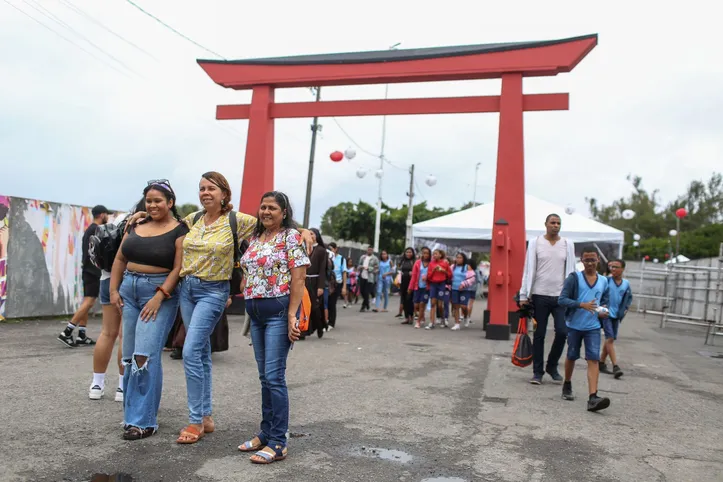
144 287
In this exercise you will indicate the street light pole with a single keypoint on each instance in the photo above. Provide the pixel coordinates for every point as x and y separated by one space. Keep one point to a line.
410 208
378 219
474 193
315 127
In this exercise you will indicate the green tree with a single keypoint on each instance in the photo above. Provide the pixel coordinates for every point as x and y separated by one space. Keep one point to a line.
186 209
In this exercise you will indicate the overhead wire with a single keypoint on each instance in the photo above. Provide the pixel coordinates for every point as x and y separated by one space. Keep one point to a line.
50 15
89 17
99 59
174 30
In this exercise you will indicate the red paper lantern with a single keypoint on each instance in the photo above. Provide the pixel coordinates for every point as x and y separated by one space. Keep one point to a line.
667 256
681 213
647 257
337 156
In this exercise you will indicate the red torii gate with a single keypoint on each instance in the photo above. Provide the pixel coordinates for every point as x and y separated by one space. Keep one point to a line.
508 61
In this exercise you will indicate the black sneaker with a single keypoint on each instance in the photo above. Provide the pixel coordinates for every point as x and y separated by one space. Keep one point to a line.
617 372
567 392
84 341
67 340
555 375
536 380
596 403
604 368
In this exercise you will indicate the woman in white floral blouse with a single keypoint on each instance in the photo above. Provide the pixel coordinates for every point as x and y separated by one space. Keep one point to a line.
274 271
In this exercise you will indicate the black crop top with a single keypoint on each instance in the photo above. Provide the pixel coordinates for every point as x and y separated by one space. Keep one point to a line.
159 251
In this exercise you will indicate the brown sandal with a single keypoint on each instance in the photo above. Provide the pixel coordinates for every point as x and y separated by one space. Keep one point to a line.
250 446
190 435
267 455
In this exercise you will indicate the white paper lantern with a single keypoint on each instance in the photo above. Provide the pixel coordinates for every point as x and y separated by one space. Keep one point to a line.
430 181
673 233
636 237
379 173
636 244
628 214
350 153
361 172
569 209
656 260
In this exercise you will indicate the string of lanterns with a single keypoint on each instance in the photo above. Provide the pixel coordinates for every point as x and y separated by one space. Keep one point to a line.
350 153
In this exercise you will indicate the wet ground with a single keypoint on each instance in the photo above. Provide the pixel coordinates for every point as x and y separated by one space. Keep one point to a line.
377 401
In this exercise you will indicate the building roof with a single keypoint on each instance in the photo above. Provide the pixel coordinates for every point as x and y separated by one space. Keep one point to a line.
381 56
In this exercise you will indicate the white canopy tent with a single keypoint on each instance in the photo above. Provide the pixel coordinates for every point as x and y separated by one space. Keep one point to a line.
471 229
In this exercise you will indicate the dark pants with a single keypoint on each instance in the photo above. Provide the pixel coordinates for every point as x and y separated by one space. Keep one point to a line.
316 318
544 307
406 298
333 297
366 289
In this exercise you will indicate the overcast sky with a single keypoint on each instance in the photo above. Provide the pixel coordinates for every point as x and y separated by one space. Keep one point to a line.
72 129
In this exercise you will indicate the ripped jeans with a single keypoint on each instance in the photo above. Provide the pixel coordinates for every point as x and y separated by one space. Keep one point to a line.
143 382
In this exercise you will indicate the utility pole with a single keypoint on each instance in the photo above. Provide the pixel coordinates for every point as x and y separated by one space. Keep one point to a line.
474 193
315 127
410 208
378 219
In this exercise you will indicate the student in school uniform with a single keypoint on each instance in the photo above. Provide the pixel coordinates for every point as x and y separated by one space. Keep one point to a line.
621 296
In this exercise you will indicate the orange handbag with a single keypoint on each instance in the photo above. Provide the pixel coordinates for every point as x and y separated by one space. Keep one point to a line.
304 311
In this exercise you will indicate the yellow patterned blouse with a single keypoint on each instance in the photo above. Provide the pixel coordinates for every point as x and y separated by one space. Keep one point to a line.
208 250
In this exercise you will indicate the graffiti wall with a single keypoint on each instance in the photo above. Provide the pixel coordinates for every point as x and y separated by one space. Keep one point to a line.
40 257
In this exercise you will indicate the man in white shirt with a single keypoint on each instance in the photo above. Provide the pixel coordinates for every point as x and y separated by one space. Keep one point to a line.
550 258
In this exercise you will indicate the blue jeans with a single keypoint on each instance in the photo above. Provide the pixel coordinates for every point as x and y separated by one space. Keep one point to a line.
592 344
383 286
142 386
270 337
202 304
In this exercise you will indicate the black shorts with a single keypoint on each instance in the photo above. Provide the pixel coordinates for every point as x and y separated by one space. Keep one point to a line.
91 285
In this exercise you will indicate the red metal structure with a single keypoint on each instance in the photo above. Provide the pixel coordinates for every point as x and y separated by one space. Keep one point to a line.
508 61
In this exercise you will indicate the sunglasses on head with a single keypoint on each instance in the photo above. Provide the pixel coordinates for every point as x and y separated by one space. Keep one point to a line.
165 183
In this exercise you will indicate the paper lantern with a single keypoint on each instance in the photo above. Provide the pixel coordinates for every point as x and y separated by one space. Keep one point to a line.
636 237
681 213
379 173
628 214
336 156
647 257
350 153
673 233
430 181
636 244
361 172
656 260
569 210
667 256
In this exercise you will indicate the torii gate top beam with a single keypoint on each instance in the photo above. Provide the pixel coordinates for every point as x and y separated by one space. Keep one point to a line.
486 61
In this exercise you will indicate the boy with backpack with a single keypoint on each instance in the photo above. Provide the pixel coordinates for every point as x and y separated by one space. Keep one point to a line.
584 296
621 296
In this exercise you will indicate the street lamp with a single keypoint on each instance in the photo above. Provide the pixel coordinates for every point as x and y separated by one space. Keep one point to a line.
680 213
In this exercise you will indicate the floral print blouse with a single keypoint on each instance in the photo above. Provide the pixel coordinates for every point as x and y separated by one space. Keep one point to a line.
267 265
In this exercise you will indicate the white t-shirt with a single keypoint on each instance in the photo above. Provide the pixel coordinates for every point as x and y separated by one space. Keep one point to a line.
550 273
104 275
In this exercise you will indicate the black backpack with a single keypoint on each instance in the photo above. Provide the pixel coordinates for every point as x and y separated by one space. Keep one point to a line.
104 243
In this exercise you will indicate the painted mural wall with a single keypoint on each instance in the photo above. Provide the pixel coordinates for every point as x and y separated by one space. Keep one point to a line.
40 257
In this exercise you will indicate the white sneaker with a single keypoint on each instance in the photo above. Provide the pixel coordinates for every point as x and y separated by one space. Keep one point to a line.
329 328
416 325
456 327
429 326
445 323
119 395
345 305
467 322
96 392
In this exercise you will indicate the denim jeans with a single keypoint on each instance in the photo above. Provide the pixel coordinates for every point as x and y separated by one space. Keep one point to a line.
270 336
142 386
202 304
544 307
383 286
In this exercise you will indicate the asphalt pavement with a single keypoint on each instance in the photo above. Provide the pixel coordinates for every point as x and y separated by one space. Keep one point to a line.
377 401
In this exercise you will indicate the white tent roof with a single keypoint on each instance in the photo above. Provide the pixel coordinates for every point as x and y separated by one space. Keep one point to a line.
475 224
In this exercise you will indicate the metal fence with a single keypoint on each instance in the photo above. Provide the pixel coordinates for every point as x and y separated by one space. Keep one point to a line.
683 293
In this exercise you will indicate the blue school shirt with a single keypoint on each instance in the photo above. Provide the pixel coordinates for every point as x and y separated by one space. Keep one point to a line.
576 290
458 275
422 273
618 295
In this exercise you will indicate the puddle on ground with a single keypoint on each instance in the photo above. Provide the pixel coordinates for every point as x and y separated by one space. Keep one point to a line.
386 454
120 477
445 479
